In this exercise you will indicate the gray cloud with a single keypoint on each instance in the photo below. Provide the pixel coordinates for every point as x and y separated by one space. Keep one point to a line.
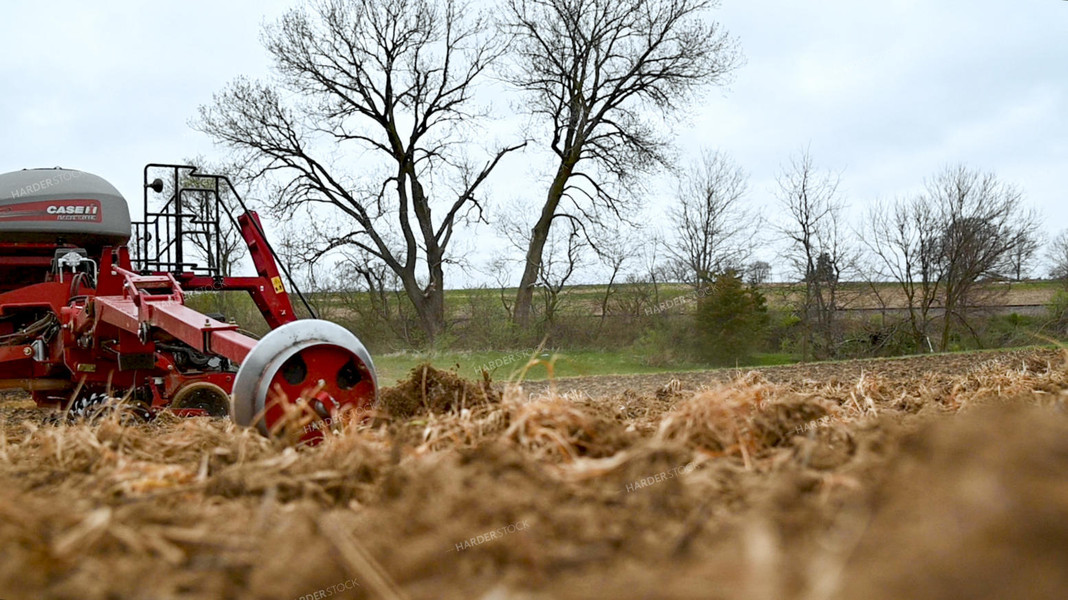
887 93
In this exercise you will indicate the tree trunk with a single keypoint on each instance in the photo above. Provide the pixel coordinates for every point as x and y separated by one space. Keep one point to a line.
947 311
539 235
429 304
435 298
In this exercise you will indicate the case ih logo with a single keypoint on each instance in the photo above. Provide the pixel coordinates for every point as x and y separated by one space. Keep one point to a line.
52 210
72 209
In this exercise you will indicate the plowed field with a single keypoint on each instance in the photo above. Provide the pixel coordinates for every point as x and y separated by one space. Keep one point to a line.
933 477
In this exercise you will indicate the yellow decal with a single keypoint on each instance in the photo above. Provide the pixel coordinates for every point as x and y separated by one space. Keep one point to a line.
278 287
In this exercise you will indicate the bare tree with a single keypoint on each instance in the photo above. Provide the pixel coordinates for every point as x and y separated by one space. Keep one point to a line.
393 81
982 222
816 249
563 259
714 231
601 74
654 270
639 295
965 228
231 246
1058 256
1019 262
758 273
372 291
500 269
564 256
614 253
200 217
901 237
300 253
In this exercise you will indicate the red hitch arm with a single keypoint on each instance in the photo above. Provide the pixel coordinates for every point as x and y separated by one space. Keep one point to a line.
157 301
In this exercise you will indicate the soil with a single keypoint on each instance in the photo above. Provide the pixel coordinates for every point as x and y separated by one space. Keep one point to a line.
930 477
431 390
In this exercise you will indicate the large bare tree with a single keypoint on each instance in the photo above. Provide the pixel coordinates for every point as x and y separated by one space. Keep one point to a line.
368 116
713 230
603 76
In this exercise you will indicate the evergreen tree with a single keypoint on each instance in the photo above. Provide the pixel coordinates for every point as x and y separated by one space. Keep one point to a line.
731 319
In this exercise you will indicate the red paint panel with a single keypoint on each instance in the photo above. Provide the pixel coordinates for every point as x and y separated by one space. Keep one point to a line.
185 323
231 344
119 312
13 353
51 211
26 261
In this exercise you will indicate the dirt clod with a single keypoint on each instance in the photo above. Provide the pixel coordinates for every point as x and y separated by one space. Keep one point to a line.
432 390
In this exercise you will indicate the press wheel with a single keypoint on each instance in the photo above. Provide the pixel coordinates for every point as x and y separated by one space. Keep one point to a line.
319 359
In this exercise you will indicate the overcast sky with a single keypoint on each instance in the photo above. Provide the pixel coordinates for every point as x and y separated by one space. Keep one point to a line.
885 93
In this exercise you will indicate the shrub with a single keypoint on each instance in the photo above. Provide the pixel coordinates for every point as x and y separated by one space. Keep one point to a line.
1058 313
667 343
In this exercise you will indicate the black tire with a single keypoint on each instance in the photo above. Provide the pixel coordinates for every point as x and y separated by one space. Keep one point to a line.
93 406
